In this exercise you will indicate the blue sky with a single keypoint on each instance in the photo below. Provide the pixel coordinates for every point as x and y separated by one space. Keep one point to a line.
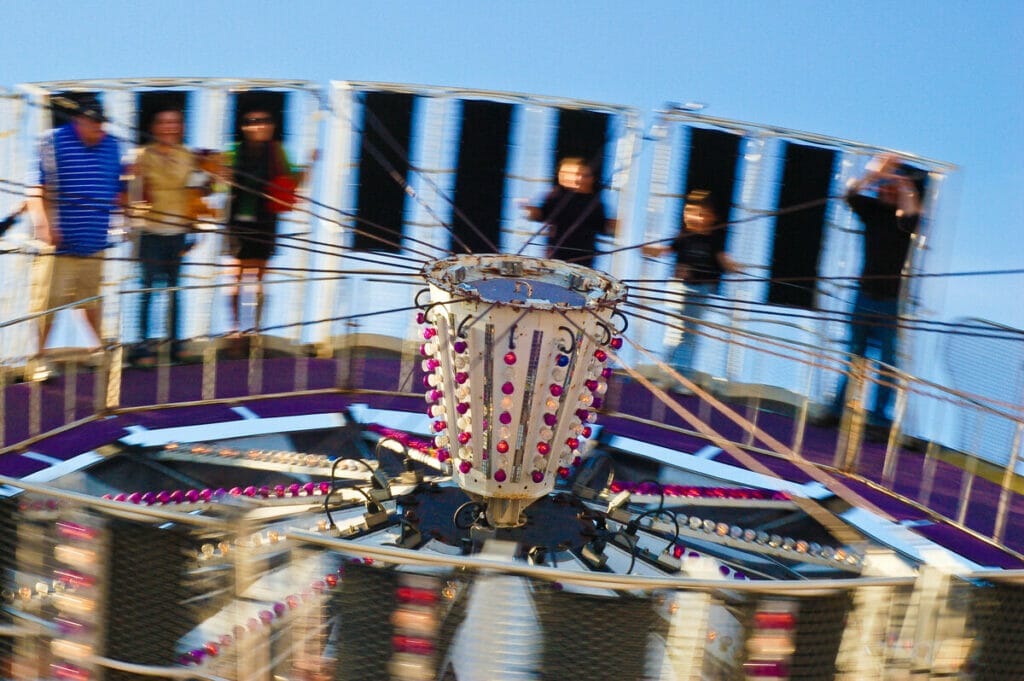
943 78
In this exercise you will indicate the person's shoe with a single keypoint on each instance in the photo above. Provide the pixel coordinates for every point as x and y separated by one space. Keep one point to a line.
679 389
826 420
143 356
877 432
183 355
94 358
39 371
913 444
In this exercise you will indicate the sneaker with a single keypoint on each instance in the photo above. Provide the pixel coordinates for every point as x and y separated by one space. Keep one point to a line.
877 432
39 371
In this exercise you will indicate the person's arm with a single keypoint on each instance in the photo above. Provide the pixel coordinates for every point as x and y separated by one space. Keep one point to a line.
299 173
655 250
907 199
876 168
540 213
727 263
304 171
44 230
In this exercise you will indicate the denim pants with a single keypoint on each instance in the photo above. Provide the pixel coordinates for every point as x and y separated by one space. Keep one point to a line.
875 321
160 256
695 302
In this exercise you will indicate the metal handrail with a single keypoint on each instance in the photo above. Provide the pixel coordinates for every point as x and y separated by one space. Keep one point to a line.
593 579
114 506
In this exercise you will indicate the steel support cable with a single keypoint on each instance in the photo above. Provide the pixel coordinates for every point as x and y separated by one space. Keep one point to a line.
361 315
747 278
390 140
741 279
901 322
310 200
775 313
295 272
596 198
724 225
397 148
339 251
834 485
986 403
341 254
789 281
547 222
883 370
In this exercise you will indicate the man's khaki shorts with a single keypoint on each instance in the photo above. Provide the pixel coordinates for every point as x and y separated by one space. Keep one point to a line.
74 278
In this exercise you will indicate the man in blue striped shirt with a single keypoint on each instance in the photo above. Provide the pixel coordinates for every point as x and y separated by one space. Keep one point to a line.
79 187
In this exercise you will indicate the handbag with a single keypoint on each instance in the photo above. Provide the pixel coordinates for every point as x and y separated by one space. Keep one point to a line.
281 194
281 189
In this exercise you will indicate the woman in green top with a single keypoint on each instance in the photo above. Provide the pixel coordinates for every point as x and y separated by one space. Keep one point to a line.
258 161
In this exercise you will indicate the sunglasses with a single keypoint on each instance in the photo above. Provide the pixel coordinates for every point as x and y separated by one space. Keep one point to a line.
263 120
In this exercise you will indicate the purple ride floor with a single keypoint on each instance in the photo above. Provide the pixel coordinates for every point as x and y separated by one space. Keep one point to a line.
278 376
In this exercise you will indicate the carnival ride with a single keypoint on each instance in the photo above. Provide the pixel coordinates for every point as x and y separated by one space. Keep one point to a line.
569 506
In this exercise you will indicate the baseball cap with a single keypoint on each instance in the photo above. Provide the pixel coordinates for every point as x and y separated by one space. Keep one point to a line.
91 108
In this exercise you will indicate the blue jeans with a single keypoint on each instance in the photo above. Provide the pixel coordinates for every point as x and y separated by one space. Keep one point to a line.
874 320
161 264
695 302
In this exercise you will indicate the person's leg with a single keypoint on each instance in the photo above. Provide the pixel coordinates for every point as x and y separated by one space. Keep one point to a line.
235 298
259 269
860 331
885 335
94 315
148 266
695 301
59 293
174 246
89 278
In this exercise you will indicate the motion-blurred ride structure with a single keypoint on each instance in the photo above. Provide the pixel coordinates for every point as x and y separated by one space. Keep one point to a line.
440 454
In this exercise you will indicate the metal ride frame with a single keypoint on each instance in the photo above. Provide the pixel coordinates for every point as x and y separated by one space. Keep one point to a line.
933 636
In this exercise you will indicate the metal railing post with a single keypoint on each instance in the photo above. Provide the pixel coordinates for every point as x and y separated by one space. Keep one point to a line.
1007 484
892 442
849 440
